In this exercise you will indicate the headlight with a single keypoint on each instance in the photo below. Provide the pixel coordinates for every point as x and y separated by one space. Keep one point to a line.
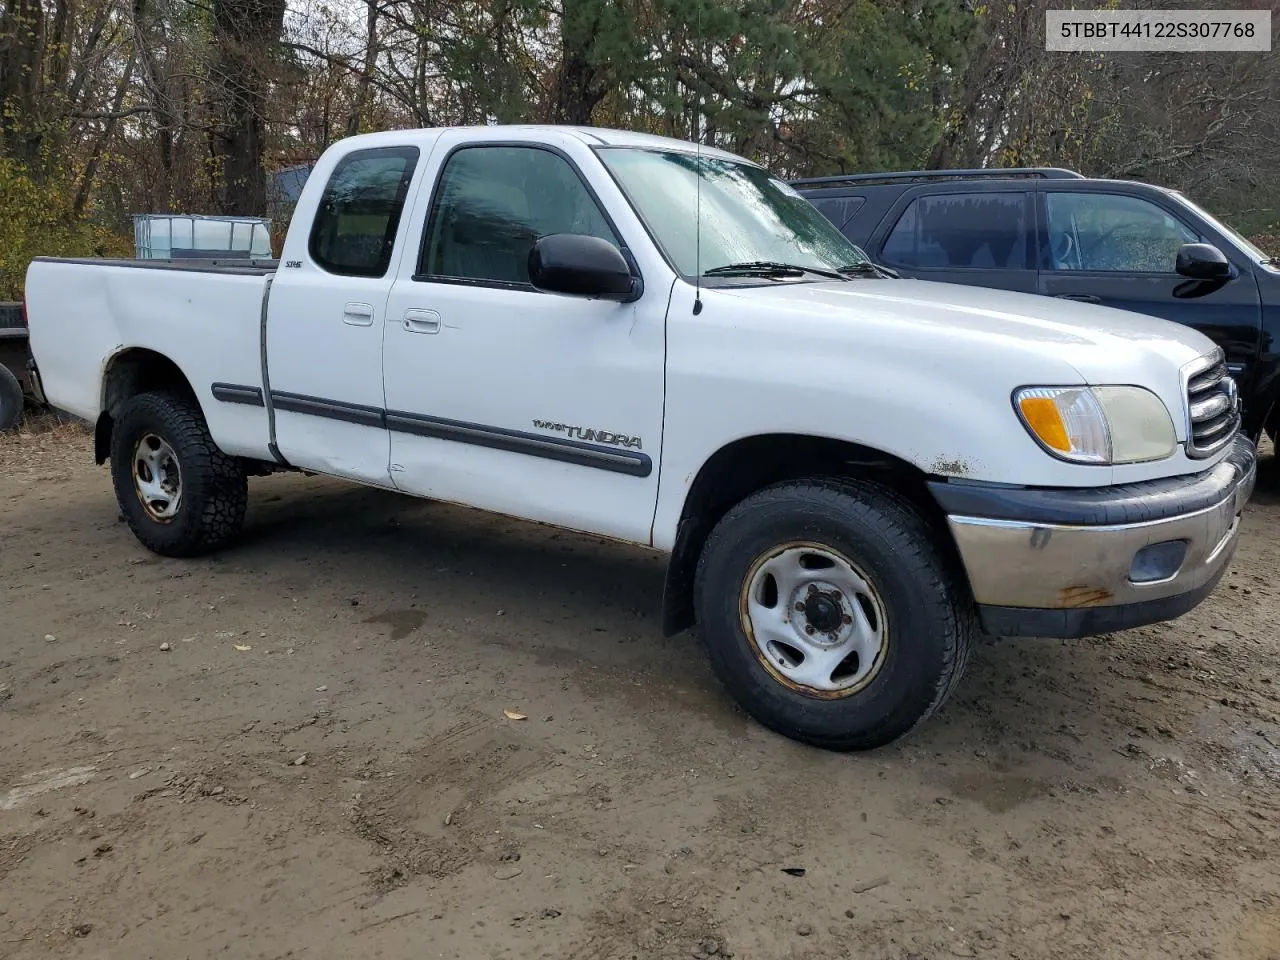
1097 424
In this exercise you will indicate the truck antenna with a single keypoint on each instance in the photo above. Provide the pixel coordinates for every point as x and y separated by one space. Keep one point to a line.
697 229
697 181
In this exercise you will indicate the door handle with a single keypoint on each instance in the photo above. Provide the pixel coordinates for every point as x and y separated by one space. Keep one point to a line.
358 314
1082 297
421 321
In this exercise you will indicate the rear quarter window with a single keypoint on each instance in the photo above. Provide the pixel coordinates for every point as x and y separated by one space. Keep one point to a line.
839 210
355 224
966 231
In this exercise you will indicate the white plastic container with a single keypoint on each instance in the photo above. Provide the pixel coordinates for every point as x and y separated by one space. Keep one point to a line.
172 236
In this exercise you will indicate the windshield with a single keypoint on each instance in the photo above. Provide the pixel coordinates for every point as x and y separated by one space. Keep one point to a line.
748 215
1253 252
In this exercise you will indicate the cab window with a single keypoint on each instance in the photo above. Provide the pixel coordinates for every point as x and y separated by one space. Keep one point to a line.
493 203
354 229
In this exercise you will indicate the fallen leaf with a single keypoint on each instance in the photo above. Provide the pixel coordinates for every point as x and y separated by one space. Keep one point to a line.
870 885
242 647
794 871
512 715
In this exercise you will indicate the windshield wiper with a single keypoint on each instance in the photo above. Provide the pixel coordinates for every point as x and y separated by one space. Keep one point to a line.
769 268
1271 261
868 269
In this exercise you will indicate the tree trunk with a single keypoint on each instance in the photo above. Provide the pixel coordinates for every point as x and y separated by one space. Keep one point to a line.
245 34
578 90
22 45
100 145
366 75
574 100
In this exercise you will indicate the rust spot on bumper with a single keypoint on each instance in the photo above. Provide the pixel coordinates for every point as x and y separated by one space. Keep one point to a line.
1082 596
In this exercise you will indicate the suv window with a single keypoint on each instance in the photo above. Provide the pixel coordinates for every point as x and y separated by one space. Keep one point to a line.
971 231
493 203
839 210
355 226
1110 232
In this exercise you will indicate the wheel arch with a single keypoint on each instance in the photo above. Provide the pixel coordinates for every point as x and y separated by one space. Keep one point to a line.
746 465
129 372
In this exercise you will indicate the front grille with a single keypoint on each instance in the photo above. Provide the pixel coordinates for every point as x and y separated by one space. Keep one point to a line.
1213 407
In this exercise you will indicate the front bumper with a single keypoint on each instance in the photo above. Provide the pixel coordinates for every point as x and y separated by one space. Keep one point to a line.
1065 562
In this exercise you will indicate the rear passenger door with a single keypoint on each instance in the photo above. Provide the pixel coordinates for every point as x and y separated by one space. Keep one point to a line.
325 319
982 237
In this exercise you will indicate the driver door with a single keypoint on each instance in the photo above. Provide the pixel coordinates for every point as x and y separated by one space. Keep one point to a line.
537 405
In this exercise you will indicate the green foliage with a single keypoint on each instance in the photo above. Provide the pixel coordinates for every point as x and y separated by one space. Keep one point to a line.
161 104
38 222
881 70
807 87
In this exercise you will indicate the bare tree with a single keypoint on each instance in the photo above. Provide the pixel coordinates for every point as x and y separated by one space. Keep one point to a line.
245 36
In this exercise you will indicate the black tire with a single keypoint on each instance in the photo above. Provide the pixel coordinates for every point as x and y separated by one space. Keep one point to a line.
209 511
928 614
10 399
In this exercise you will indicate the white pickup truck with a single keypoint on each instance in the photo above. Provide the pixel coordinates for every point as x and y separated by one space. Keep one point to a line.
664 344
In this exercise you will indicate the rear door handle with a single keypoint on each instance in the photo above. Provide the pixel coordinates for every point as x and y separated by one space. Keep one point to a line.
421 321
1082 297
358 314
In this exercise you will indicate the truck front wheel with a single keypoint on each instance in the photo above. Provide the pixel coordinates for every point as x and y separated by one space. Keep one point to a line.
830 614
179 493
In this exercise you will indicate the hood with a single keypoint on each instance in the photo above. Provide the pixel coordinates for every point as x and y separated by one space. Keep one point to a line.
1102 344
954 352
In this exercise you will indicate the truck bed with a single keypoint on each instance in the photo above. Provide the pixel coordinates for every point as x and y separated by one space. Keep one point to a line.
95 317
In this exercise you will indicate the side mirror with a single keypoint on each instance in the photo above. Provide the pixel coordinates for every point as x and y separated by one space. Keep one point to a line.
1203 261
581 265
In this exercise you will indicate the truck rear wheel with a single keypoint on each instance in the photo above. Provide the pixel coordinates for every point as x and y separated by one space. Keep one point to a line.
10 399
179 493
830 614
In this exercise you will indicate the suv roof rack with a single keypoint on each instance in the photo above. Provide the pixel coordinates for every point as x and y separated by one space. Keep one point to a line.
994 173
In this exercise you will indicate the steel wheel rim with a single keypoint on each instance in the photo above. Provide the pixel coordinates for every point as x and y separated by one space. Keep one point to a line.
157 478
814 620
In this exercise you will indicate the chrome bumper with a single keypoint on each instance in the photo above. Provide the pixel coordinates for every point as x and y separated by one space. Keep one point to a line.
1048 567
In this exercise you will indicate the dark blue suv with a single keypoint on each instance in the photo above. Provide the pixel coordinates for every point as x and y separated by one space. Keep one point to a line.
1054 232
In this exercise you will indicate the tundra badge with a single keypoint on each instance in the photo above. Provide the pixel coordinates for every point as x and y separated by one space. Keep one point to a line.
590 434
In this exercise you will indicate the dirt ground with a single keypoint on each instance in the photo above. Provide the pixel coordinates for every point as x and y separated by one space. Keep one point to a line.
298 748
